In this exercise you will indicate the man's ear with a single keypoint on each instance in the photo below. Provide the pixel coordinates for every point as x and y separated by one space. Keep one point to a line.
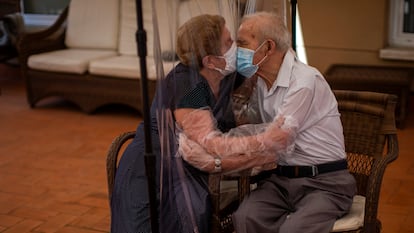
271 46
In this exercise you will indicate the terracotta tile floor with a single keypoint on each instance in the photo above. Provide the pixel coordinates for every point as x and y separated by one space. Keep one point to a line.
52 162
52 165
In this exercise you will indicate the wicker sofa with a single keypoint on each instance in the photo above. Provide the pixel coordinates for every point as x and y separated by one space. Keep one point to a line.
72 58
89 57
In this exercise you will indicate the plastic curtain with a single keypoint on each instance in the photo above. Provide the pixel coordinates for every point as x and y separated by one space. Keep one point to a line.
183 201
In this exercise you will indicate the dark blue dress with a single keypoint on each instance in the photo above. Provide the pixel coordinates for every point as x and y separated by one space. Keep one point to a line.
184 202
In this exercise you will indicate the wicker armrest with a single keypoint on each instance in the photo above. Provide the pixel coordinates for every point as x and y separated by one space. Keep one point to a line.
49 39
112 158
375 180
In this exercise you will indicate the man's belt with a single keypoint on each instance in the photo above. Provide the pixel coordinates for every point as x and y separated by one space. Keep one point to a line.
310 171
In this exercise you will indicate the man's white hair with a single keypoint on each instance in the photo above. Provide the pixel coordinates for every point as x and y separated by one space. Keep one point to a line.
270 26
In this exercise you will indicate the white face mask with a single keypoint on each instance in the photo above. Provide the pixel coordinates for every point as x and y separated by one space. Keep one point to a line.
230 57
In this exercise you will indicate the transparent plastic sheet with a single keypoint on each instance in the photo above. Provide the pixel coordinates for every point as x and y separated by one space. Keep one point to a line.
200 126
254 147
184 204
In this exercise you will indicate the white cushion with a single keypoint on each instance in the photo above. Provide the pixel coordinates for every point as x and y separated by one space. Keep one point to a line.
67 60
167 23
229 192
126 67
189 9
128 26
170 14
93 24
354 219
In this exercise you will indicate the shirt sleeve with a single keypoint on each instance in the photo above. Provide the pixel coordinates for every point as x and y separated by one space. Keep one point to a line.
197 98
297 105
180 88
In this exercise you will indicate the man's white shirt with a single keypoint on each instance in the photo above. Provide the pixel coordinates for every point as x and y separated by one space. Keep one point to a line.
301 93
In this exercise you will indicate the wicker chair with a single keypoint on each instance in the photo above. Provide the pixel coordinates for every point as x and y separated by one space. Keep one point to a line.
221 216
112 158
371 143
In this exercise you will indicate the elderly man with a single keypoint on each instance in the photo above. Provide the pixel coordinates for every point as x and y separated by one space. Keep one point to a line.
311 186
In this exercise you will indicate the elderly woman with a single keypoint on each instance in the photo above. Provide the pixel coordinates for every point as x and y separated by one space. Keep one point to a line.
195 100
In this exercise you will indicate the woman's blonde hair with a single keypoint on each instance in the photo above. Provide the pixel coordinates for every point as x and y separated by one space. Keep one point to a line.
198 37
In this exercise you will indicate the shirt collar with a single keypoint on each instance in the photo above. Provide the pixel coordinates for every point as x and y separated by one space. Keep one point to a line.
284 74
285 71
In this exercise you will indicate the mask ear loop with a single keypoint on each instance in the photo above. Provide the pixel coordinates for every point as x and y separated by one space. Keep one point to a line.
260 62
207 63
260 46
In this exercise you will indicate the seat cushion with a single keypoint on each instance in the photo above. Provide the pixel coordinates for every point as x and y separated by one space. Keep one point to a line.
354 219
128 26
228 192
126 67
227 9
67 60
93 24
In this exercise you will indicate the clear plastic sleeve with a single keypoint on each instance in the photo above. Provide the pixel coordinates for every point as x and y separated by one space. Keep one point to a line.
198 157
244 147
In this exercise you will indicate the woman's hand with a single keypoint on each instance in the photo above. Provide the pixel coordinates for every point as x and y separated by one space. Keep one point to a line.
274 137
195 154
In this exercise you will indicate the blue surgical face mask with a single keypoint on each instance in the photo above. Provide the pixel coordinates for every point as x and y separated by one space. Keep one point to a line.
245 64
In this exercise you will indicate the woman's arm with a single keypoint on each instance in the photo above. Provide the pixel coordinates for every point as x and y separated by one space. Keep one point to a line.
200 126
195 123
195 155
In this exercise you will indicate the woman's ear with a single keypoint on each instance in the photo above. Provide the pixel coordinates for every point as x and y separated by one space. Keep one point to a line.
207 62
